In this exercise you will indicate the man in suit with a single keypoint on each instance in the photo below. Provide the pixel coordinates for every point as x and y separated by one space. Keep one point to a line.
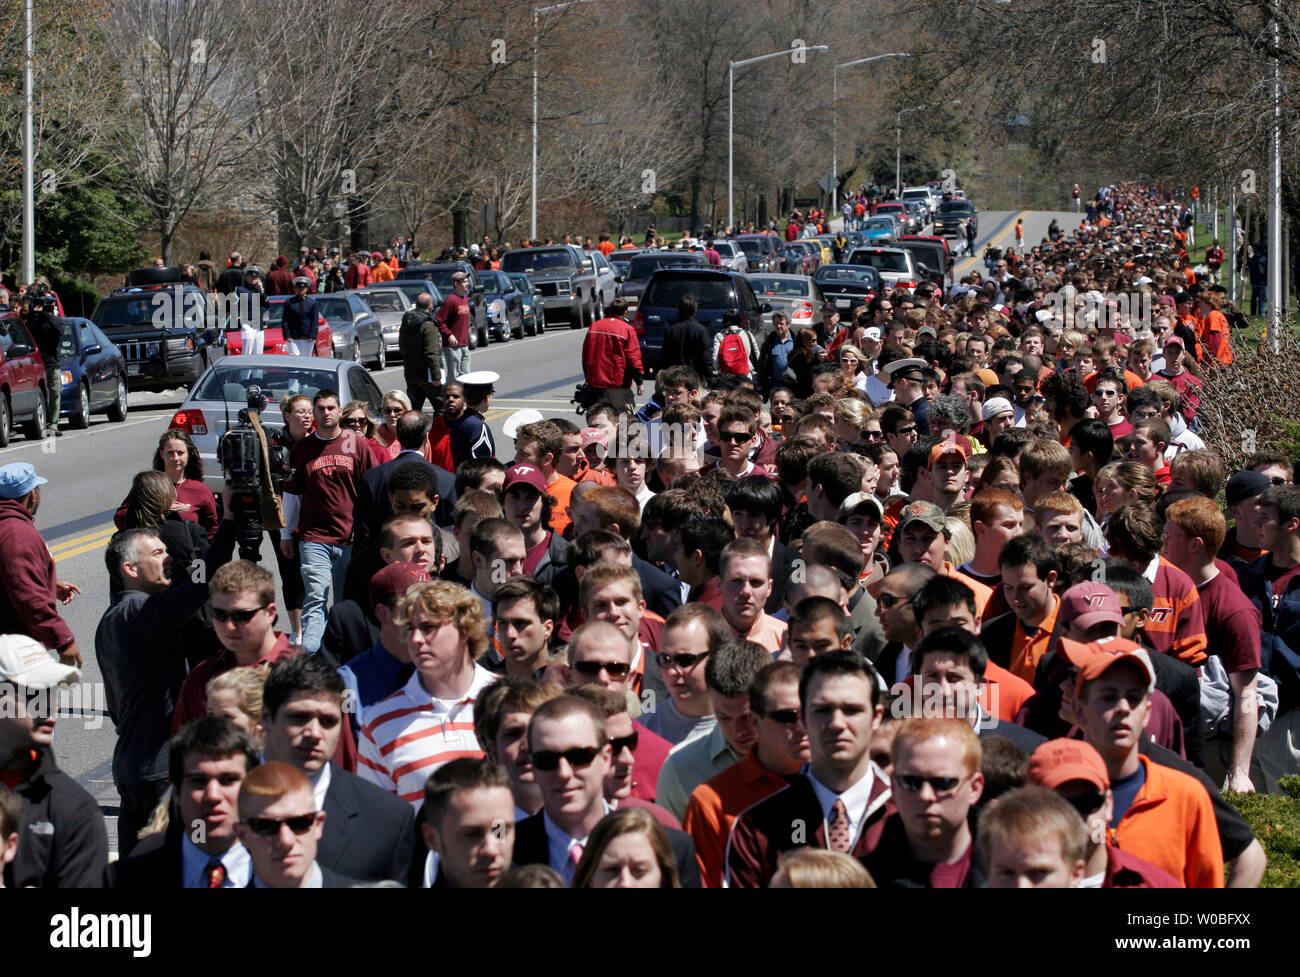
209 759
841 799
369 834
571 756
468 819
373 505
280 825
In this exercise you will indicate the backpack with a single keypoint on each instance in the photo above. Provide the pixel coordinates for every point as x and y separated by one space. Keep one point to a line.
732 356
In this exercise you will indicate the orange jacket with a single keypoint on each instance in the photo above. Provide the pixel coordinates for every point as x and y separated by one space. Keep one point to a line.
1213 330
1171 824
715 804
381 272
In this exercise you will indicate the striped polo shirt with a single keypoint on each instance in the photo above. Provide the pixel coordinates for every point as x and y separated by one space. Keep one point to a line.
409 735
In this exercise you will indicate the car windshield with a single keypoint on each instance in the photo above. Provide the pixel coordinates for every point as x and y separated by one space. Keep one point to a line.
642 268
384 302
232 383
955 207
880 224
881 260
864 275
725 249
532 261
135 310
334 308
780 286
412 289
710 293
752 249
439 276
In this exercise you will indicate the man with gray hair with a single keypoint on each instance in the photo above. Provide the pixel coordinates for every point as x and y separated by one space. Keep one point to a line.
420 343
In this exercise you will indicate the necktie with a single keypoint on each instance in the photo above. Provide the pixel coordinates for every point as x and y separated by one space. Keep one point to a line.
839 827
575 853
214 874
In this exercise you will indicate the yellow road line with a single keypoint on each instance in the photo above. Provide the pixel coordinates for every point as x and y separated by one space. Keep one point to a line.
98 536
959 271
69 554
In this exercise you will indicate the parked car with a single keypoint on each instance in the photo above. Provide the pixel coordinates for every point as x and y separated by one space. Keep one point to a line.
214 402
566 277
922 196
798 296
390 303
880 230
762 251
898 210
894 265
930 252
715 291
22 381
94 374
530 304
848 285
733 258
606 282
167 329
646 264
953 217
440 274
271 318
505 305
413 287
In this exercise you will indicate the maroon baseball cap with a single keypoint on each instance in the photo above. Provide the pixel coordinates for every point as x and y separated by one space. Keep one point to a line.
528 474
393 581
1089 603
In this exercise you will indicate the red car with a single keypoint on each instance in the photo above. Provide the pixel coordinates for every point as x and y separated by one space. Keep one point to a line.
273 338
22 381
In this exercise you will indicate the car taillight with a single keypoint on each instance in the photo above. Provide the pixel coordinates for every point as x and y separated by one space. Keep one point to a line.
639 323
805 311
190 421
901 284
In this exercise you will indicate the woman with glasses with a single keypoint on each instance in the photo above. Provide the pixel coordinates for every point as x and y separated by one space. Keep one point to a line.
357 418
396 403
855 365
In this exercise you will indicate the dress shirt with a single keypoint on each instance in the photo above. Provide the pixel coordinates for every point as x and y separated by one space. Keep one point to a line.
194 865
856 801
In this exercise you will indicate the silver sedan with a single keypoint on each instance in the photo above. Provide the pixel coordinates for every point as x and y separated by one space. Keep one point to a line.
798 296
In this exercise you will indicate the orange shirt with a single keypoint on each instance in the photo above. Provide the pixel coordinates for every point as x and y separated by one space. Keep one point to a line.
1026 650
1213 330
605 247
381 272
715 804
1171 824
1132 379
982 591
560 490
1003 693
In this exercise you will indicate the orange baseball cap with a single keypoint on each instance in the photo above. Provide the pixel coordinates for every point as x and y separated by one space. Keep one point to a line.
1096 658
1059 761
946 448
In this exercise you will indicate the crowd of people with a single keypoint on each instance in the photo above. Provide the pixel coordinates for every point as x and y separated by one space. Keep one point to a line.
939 595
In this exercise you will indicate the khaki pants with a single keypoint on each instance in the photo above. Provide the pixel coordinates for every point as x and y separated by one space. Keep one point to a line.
1278 751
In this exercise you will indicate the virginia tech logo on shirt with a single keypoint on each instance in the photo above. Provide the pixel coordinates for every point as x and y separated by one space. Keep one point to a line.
1160 615
332 461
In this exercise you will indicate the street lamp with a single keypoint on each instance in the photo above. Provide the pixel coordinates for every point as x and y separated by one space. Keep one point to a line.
898 139
731 114
835 119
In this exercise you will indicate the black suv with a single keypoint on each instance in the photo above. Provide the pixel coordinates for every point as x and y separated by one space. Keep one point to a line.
166 328
716 292
440 274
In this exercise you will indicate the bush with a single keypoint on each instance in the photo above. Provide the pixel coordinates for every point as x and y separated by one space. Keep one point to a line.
1275 819
78 297
1250 405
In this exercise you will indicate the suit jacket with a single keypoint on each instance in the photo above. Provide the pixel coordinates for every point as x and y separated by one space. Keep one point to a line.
348 632
329 879
369 834
782 566
532 848
373 506
154 863
662 593
868 635
792 818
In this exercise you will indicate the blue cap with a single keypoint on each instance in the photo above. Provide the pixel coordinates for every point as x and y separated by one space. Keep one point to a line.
17 479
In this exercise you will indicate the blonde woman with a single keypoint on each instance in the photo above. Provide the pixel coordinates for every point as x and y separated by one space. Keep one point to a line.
816 868
851 416
357 417
855 365
237 695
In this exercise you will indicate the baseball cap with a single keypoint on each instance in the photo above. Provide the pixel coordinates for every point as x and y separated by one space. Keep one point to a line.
1241 486
1096 658
926 513
19 477
27 663
1059 761
855 502
593 435
945 448
376 255
829 306
1174 341
995 406
872 333
1165 300
1182 297
394 580
518 419
459 276
1089 603
927 331
527 474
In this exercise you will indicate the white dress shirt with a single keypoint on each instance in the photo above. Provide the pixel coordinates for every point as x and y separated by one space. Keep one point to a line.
857 802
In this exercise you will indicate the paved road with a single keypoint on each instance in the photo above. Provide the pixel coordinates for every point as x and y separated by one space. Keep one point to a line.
90 473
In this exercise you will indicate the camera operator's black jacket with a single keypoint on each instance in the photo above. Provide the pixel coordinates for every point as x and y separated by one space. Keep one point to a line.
47 330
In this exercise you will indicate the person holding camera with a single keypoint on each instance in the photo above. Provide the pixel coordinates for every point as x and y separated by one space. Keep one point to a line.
40 317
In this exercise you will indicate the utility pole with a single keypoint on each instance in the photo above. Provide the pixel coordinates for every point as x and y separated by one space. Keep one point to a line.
29 150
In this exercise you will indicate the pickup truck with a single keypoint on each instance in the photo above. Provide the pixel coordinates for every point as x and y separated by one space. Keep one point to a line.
566 279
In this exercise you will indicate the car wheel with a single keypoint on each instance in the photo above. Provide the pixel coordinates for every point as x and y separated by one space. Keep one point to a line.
539 320
575 316
484 337
473 339
381 360
506 331
35 428
5 432
356 351
117 412
600 308
80 418
520 333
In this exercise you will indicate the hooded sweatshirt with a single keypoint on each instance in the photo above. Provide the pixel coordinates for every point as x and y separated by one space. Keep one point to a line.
27 597
280 279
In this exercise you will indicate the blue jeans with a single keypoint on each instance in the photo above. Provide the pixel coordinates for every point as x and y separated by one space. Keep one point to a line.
323 568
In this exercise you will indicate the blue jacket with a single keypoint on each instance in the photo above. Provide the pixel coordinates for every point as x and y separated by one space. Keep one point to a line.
1279 645
301 318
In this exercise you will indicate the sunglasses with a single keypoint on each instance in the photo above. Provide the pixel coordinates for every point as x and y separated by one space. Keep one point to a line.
1277 480
615 669
355 422
736 436
684 661
786 717
238 617
578 757
394 410
940 785
906 430
621 743
889 600
270 827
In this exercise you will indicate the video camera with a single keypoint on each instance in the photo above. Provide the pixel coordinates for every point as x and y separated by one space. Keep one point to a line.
242 453
39 300
585 397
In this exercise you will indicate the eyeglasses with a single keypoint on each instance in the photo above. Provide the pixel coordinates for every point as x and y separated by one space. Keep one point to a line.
684 661
621 743
394 410
1278 480
238 617
1087 803
299 824
578 757
940 785
615 669
906 430
736 436
355 422
889 600
786 717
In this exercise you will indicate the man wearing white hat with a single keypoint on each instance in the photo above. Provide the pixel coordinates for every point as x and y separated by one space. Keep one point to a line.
29 590
999 416
62 843
906 379
470 435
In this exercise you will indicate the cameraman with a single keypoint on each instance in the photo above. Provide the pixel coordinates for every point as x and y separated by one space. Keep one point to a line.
40 317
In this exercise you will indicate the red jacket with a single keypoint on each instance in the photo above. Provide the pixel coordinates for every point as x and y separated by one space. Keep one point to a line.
611 354
358 276
28 604
651 752
192 703
1124 870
